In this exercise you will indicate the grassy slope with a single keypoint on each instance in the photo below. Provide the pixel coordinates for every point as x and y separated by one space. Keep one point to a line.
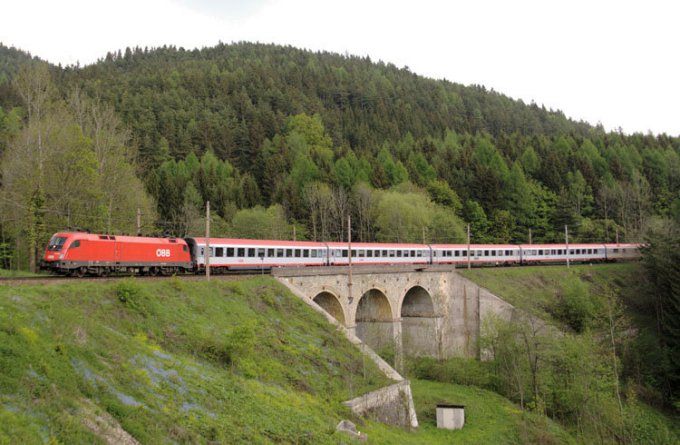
191 362
489 419
178 361
537 287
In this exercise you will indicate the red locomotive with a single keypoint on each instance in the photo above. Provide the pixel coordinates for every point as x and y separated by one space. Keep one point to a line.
77 253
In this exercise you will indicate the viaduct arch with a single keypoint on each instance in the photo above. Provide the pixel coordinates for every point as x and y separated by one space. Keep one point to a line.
425 311
331 304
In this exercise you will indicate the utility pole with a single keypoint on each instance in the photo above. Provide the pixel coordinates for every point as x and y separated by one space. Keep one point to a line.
294 234
530 237
566 240
207 240
617 235
139 222
349 256
468 252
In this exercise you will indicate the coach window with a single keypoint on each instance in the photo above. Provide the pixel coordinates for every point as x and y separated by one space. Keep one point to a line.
251 252
298 253
270 253
540 251
457 252
240 252
279 253
595 251
305 253
289 253
369 254
219 252
493 253
230 251
362 253
260 253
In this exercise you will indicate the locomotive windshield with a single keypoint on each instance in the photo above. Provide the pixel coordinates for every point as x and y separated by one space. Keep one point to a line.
56 243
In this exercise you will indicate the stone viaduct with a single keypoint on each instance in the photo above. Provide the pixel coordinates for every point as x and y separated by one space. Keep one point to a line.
404 310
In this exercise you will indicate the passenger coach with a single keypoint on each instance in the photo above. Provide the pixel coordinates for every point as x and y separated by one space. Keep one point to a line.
376 253
228 253
479 254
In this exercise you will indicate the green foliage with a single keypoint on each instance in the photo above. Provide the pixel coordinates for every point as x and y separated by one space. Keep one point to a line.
575 307
249 124
461 371
261 223
661 261
590 377
442 194
132 295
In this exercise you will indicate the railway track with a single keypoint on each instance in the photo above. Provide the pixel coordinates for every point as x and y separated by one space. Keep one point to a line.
59 279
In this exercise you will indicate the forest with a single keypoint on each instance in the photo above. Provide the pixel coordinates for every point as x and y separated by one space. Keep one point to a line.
286 143
282 140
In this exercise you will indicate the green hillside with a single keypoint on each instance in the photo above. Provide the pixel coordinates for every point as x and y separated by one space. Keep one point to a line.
585 347
195 362
185 362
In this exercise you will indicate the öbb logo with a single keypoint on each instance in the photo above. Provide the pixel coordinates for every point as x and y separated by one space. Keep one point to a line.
163 253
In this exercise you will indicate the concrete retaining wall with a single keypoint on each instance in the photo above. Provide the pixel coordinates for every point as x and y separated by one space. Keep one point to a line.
392 405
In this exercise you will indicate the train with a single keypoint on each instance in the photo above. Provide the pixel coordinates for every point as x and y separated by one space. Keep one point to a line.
80 253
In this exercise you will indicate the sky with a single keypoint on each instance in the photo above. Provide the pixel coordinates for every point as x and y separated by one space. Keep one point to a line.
603 61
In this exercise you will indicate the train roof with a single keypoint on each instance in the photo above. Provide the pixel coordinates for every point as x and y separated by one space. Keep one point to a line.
378 246
474 246
561 246
260 243
119 238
